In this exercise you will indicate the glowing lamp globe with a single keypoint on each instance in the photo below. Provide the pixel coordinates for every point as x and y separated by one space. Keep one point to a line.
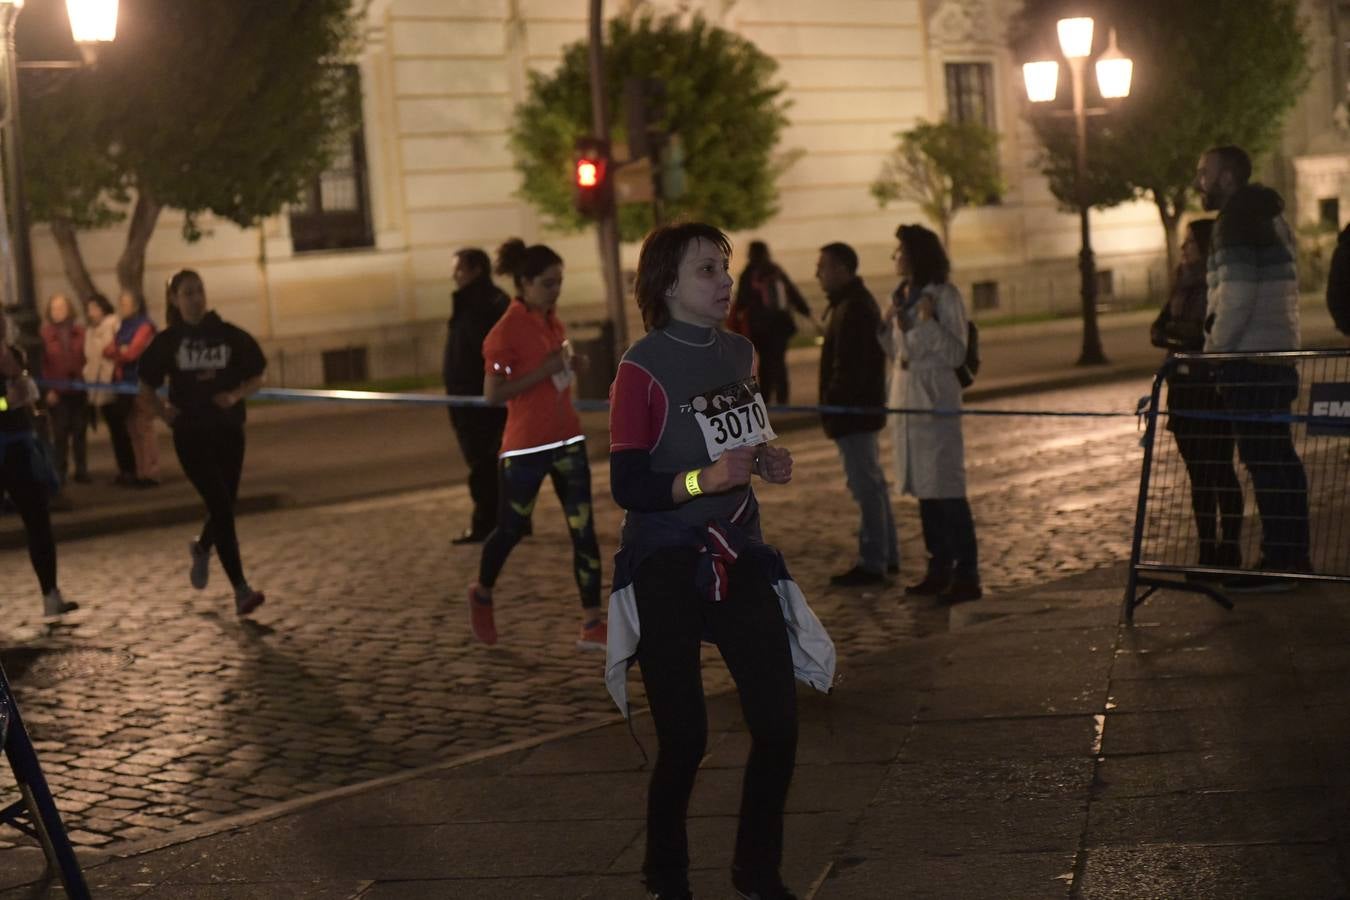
92 21
1042 80
1114 71
1075 37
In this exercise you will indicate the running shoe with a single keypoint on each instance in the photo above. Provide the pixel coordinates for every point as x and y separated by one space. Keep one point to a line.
247 600
54 606
481 622
594 636
201 565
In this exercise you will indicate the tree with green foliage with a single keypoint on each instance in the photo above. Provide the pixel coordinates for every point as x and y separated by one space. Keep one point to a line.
720 98
941 167
227 109
1206 72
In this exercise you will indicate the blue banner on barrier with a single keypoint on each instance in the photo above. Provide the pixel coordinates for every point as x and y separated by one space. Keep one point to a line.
1329 409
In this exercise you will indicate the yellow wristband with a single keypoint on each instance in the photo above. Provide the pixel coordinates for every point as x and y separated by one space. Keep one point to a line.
691 483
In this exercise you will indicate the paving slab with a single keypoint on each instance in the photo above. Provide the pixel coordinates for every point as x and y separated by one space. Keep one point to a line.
1033 876
1204 872
1270 816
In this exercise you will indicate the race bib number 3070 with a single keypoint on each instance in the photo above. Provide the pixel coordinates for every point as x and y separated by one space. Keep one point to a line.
732 416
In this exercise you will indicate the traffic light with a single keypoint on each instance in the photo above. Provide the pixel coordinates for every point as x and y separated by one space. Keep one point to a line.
591 177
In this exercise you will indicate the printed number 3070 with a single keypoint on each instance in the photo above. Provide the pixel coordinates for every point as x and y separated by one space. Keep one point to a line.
729 425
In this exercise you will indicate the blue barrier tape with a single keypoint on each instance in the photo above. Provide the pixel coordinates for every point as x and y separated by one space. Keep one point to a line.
415 399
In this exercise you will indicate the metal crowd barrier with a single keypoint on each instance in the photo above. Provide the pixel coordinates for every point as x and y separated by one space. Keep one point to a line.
1253 479
35 813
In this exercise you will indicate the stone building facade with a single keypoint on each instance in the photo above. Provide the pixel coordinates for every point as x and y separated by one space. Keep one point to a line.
356 282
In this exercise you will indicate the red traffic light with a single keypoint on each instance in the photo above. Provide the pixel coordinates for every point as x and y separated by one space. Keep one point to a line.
590 177
588 173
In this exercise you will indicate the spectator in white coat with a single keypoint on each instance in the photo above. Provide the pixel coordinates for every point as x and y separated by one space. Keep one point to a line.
924 333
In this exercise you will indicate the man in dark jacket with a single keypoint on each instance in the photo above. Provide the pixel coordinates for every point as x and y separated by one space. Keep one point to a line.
478 304
1338 283
853 373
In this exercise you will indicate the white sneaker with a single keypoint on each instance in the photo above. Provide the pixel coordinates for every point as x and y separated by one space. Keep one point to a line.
54 606
201 565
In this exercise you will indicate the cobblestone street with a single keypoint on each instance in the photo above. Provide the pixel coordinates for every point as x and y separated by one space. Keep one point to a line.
153 707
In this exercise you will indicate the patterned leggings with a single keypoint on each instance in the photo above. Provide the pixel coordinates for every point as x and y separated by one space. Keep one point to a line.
520 480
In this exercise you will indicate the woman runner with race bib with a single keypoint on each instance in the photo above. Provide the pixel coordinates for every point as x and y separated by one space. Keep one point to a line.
688 427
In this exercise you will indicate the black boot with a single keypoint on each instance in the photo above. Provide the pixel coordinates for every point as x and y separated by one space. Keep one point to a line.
963 589
938 579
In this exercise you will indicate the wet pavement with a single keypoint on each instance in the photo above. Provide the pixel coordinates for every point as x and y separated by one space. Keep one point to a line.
1035 749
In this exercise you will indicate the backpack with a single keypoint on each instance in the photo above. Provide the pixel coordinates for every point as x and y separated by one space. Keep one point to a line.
966 372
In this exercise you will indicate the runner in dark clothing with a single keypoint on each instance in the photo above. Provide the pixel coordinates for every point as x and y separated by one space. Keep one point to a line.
211 367
688 427
25 475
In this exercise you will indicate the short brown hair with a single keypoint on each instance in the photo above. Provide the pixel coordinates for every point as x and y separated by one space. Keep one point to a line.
659 265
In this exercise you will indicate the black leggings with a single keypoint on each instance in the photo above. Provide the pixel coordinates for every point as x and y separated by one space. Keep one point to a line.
30 497
212 458
520 480
749 631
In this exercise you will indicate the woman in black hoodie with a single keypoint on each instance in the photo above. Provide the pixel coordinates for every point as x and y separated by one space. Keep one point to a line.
211 367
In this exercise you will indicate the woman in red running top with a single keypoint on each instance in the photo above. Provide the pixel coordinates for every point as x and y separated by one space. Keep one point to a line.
528 365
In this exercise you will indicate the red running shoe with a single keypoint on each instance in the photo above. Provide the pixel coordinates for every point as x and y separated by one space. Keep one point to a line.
480 615
594 636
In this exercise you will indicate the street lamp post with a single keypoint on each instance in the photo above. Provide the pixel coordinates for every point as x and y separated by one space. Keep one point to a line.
1114 72
92 23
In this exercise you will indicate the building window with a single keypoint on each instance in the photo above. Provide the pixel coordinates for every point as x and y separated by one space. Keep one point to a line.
1329 213
984 295
970 93
344 365
970 98
1106 284
334 211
